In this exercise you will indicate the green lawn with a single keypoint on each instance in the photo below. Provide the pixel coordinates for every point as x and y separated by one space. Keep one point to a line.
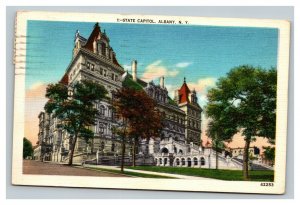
231 175
135 174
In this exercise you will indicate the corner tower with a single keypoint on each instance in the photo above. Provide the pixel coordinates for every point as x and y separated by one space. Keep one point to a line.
188 102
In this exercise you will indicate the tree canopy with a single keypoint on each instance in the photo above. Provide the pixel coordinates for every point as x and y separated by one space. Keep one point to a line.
269 153
245 101
74 106
140 112
27 148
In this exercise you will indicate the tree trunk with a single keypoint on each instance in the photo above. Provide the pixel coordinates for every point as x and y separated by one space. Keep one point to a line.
72 150
123 153
217 156
246 159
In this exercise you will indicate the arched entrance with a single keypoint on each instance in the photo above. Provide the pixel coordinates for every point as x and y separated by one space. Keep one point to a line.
202 161
195 161
165 161
183 162
177 162
189 162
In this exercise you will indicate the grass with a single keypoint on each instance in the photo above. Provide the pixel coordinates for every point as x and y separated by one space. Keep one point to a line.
230 175
135 174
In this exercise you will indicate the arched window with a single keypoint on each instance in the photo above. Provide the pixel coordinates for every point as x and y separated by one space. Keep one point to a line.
160 160
202 161
182 161
195 161
180 151
177 162
164 150
102 110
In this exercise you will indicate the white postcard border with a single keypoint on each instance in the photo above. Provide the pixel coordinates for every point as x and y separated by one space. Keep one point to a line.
18 178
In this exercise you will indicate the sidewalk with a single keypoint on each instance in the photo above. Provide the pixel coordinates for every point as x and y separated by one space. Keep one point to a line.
178 176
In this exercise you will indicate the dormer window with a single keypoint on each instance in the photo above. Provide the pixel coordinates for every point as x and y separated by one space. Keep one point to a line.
103 49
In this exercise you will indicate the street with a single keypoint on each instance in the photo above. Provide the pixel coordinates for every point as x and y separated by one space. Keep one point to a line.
46 168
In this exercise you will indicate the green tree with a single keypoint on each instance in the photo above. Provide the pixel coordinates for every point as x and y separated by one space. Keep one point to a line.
74 107
247 98
220 131
269 154
27 148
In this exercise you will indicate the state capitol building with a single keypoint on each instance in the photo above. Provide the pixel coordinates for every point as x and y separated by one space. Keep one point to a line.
180 144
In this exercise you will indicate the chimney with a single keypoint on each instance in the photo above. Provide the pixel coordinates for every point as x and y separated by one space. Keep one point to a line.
176 97
134 70
162 82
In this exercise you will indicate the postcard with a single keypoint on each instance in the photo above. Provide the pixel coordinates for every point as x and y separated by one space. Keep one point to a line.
150 102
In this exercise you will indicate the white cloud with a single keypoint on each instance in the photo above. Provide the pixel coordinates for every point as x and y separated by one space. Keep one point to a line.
171 89
183 64
127 67
202 85
157 69
172 73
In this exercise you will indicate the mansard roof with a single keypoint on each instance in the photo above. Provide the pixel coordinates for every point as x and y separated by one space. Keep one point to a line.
130 83
65 79
94 36
184 92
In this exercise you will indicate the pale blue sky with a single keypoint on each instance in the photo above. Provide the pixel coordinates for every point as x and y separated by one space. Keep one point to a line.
196 52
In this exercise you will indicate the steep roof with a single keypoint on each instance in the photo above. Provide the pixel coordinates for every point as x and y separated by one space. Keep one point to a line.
183 93
129 83
94 36
65 79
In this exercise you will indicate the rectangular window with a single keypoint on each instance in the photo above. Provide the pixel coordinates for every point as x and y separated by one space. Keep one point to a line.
88 65
104 73
92 67
112 76
101 71
116 78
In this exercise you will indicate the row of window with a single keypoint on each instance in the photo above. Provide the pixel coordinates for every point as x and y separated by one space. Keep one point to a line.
183 161
193 113
102 72
193 124
174 118
112 148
